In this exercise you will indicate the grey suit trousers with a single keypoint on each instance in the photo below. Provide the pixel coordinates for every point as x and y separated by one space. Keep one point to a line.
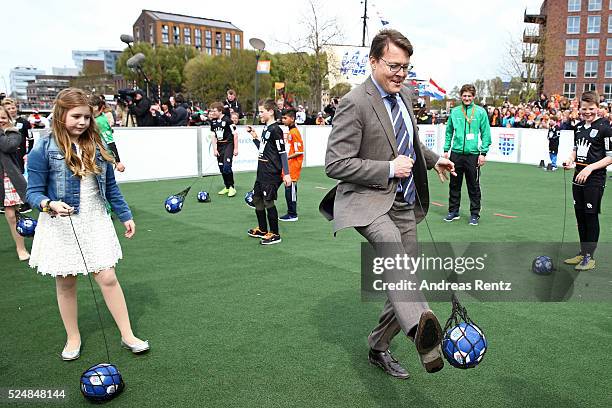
395 233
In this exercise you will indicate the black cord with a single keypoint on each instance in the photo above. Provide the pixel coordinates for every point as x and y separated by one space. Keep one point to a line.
564 219
93 292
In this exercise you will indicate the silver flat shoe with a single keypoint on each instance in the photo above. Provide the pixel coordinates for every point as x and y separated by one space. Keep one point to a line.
71 355
136 348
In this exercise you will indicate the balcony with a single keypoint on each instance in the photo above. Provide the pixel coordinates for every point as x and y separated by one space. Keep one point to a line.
534 18
533 80
531 59
531 36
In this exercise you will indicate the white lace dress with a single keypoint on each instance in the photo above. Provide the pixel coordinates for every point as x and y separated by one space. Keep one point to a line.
55 250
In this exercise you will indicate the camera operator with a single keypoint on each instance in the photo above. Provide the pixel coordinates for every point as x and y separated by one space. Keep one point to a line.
140 107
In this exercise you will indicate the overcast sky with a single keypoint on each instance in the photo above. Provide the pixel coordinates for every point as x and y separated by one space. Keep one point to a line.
454 42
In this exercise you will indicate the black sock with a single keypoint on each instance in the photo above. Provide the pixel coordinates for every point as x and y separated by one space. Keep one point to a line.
261 220
273 219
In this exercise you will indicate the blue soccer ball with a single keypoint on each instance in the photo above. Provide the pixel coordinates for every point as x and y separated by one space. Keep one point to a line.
26 226
101 382
542 265
203 197
248 199
174 204
464 345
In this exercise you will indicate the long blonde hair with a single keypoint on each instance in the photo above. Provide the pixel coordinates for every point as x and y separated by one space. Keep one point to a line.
88 141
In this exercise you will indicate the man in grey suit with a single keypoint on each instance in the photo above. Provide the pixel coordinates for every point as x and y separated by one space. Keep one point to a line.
375 153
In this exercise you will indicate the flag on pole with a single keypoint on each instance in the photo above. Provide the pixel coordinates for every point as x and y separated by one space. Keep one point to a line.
263 67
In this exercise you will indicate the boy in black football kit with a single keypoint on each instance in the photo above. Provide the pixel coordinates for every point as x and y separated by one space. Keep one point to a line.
271 163
553 142
225 145
591 155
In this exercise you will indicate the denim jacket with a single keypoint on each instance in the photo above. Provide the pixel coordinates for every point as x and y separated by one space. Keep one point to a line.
49 177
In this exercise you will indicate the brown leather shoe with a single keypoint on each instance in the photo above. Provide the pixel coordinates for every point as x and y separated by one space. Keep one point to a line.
388 364
427 340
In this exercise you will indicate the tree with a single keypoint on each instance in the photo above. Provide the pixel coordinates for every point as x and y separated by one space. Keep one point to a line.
481 89
163 66
320 33
496 90
208 78
522 60
340 89
454 93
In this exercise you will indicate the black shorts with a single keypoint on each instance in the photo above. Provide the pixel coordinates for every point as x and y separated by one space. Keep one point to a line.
266 190
226 154
588 198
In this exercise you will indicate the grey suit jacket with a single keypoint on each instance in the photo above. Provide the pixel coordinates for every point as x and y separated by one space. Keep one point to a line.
360 146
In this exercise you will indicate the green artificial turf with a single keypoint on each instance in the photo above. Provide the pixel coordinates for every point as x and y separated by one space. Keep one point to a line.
235 324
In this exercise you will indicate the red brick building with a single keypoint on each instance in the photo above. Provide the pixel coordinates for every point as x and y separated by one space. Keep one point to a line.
215 37
574 39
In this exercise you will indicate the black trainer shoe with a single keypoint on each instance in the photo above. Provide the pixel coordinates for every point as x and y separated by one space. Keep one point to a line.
474 220
451 217
256 233
287 217
271 239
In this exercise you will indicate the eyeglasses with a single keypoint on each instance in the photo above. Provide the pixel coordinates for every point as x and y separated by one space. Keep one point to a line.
395 68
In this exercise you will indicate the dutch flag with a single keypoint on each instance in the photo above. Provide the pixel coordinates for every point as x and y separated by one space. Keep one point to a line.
431 89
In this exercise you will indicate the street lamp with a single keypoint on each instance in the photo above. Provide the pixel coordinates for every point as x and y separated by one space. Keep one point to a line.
259 46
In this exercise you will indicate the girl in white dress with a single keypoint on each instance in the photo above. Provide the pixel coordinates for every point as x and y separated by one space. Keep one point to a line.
73 184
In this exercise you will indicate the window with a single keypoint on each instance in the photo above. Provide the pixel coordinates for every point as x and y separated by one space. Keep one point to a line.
608 73
569 91
165 34
571 69
593 24
228 52
187 35
608 89
228 41
592 47
208 41
589 87
218 41
209 51
590 69
609 47
571 48
151 34
236 40
573 5
198 38
573 25
594 5
610 23
137 34
177 34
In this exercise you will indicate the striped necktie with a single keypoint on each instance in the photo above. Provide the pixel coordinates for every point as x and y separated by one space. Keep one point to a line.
404 146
